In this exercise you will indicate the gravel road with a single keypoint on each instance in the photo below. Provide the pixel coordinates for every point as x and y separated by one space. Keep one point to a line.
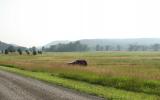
15 87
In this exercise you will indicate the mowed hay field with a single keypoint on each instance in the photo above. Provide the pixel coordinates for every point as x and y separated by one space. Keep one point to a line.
129 71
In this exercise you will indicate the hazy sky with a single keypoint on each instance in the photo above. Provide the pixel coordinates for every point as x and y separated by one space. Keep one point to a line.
37 22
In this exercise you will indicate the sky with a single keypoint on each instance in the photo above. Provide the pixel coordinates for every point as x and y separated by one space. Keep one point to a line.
38 22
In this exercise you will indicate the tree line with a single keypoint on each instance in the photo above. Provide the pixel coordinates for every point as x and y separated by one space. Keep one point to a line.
78 47
130 47
20 51
69 47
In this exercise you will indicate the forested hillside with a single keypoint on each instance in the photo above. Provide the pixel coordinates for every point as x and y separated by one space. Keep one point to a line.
141 44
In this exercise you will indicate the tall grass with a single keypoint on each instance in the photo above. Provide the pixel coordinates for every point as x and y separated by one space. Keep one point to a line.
108 93
125 83
131 71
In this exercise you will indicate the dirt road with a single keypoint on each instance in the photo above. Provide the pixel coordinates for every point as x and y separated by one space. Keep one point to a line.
15 87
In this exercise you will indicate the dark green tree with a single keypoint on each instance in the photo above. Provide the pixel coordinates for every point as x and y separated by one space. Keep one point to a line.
39 52
27 52
34 50
11 49
19 51
6 51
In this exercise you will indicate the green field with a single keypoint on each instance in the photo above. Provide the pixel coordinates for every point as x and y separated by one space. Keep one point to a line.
113 75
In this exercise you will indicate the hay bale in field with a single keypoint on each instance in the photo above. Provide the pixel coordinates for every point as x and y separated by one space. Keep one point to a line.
78 62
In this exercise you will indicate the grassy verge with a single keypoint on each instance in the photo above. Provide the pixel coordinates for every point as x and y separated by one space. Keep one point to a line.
103 91
125 83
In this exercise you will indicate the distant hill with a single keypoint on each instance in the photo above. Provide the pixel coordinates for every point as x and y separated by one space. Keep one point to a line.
103 42
4 46
56 42
124 43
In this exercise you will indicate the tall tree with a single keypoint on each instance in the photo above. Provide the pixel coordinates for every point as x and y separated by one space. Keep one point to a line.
27 52
11 49
34 52
6 51
19 51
